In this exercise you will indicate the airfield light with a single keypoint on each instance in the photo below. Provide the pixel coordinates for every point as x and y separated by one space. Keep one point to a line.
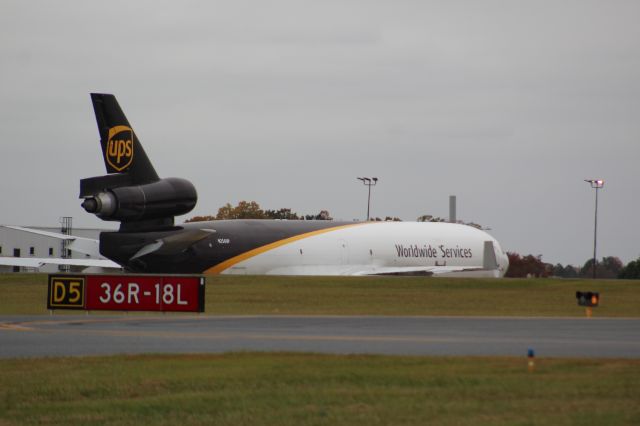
595 184
369 182
588 299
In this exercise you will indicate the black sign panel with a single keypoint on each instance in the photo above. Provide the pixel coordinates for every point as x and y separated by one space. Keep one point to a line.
66 292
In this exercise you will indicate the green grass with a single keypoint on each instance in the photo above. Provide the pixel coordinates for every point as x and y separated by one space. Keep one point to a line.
23 293
309 389
417 296
244 295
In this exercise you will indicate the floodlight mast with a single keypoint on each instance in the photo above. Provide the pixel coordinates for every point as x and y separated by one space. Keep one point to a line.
595 184
369 182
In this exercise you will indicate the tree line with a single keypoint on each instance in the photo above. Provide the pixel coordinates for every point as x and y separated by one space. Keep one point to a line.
252 210
610 267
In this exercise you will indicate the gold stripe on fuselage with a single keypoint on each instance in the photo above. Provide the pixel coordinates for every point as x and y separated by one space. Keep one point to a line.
220 267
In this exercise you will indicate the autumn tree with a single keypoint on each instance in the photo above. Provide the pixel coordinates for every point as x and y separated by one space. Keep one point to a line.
252 210
226 212
527 266
244 210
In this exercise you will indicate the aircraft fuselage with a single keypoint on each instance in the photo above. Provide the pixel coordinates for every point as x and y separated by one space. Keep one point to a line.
308 248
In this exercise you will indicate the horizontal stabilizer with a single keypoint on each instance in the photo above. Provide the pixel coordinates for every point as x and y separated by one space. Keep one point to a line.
40 232
78 244
36 262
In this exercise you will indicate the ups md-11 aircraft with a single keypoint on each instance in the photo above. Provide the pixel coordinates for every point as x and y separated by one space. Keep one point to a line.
148 241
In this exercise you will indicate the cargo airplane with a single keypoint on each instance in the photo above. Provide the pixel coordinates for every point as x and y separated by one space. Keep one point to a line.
148 240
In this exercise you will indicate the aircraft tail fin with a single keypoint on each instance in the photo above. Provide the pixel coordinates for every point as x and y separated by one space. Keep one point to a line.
121 149
131 192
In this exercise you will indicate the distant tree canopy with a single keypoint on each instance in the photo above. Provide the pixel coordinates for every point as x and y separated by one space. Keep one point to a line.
430 218
609 267
568 271
631 271
244 210
323 215
252 210
387 219
284 214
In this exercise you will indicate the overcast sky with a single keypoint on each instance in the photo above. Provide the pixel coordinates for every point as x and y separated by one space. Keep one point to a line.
507 104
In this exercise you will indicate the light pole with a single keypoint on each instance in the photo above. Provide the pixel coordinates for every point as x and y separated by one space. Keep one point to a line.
369 182
596 184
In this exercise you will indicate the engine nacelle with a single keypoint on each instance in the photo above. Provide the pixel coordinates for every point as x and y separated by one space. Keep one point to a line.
165 198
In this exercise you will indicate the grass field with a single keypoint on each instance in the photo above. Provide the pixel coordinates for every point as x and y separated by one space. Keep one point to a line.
26 294
309 389
313 389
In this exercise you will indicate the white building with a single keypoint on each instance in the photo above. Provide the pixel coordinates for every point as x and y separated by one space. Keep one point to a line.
19 243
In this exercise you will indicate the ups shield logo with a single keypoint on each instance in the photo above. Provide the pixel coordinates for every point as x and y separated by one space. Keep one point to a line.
119 153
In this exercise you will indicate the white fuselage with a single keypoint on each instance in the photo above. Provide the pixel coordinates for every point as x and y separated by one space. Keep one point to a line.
380 248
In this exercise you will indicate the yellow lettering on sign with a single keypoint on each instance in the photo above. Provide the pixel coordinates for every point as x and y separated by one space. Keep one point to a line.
59 291
66 292
74 292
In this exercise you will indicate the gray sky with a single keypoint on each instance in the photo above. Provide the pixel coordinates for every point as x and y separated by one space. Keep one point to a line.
507 104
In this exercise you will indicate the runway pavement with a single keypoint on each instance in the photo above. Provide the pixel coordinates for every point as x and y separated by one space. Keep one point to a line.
64 335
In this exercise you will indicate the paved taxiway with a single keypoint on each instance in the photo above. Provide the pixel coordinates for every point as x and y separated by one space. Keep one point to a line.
61 335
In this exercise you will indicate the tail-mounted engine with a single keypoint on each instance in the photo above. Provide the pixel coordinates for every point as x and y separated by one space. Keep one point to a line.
152 205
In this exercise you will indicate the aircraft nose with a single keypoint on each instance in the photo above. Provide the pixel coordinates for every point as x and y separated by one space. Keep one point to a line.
503 264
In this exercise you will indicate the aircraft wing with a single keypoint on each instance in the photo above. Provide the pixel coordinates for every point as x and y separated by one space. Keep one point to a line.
82 245
79 244
36 262
363 270
415 270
